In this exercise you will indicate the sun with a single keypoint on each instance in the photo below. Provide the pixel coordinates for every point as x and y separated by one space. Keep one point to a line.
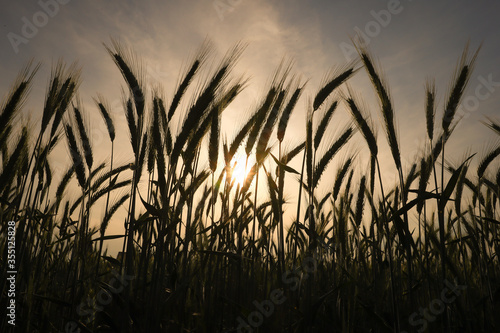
239 173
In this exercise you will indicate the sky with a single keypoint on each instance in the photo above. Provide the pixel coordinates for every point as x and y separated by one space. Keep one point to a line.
413 40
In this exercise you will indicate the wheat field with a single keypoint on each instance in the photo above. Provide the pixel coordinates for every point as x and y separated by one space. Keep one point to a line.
205 251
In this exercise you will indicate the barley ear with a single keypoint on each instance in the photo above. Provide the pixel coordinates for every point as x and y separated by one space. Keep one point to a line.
112 210
287 111
487 161
64 183
340 177
132 124
339 76
11 165
75 156
309 149
260 118
363 126
240 136
358 216
213 147
103 108
200 58
385 103
457 87
84 138
320 130
493 125
17 95
268 127
131 70
330 153
430 110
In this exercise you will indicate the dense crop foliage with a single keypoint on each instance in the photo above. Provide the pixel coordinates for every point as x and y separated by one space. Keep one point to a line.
202 252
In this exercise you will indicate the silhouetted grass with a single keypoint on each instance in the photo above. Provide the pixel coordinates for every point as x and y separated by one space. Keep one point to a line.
201 249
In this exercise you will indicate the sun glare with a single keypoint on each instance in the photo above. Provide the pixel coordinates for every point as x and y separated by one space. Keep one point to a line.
239 173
